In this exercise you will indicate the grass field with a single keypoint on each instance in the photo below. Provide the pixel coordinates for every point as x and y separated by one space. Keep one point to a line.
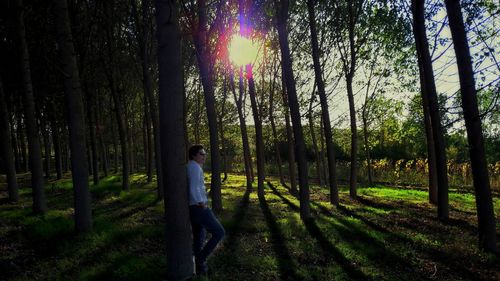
388 234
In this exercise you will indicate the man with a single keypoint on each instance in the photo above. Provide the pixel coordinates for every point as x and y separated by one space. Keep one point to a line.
202 217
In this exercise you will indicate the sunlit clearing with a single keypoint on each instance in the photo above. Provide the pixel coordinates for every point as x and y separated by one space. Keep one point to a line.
242 51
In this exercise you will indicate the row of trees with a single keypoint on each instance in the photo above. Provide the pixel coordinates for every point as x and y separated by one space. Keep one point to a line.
90 70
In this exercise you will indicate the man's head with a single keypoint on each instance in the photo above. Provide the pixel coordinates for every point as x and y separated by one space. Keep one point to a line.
197 153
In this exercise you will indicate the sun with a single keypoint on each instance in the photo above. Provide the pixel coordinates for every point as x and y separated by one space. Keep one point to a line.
242 50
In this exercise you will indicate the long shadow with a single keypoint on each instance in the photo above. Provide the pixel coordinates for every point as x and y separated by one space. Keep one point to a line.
380 254
283 198
325 211
237 222
332 252
285 264
327 247
436 255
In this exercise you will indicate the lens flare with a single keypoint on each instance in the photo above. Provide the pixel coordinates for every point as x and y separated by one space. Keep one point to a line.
242 50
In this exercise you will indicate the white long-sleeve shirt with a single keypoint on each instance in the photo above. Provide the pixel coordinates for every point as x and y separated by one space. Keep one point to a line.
196 183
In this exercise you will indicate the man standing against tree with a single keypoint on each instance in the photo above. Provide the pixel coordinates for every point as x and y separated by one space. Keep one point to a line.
202 217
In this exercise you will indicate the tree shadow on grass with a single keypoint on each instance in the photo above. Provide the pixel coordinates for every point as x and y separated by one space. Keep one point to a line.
235 227
327 247
284 258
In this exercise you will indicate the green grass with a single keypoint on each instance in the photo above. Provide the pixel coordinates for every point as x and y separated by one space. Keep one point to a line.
388 234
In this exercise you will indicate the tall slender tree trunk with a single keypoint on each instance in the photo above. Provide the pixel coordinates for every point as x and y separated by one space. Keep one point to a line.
221 129
203 58
290 140
35 152
46 146
118 104
353 175
259 142
22 145
431 152
300 147
15 147
56 140
429 91
484 203
76 118
6 148
323 149
334 193
93 145
173 153
100 137
243 127
367 146
275 134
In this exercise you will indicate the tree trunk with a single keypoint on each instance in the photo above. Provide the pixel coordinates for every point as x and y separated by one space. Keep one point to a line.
484 204
46 146
22 144
334 193
429 91
259 141
35 152
76 118
300 147
100 137
56 140
93 145
275 134
173 154
290 140
15 147
367 147
353 178
243 127
221 128
6 149
203 58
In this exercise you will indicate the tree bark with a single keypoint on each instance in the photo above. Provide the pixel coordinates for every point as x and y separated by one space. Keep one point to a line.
56 140
203 58
429 91
35 152
118 105
243 127
300 147
93 145
484 203
259 142
7 151
290 140
173 154
334 193
275 134
46 146
76 118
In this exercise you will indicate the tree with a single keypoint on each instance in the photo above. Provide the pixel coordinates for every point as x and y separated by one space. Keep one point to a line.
173 153
259 142
484 203
238 99
429 96
334 193
35 152
205 59
300 147
76 118
6 148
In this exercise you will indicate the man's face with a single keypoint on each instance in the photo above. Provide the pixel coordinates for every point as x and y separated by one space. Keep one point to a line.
200 157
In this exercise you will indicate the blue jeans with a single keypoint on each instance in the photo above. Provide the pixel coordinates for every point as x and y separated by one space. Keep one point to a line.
203 220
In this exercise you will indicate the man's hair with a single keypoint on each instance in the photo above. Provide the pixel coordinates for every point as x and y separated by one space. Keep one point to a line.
193 150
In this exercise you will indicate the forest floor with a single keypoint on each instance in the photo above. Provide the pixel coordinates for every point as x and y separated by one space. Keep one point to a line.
387 234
